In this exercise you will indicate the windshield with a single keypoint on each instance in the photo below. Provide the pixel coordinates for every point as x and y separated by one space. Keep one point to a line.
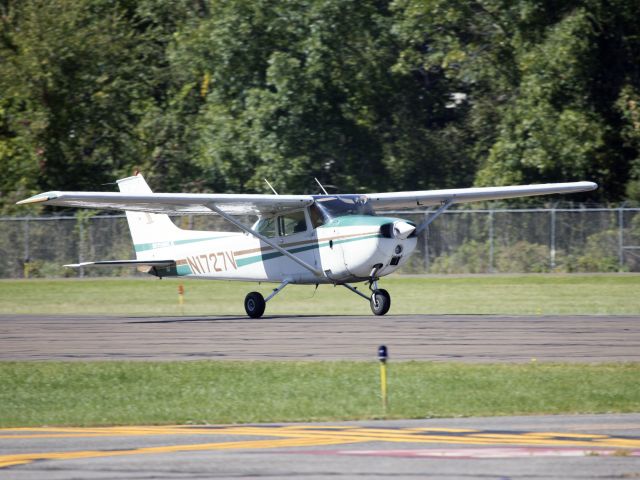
339 206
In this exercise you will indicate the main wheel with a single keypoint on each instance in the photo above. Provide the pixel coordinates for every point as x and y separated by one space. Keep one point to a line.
254 304
380 301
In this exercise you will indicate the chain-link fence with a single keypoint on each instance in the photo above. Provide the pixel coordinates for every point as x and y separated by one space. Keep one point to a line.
459 241
529 241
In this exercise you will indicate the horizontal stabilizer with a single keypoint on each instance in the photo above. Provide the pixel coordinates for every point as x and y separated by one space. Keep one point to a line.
125 263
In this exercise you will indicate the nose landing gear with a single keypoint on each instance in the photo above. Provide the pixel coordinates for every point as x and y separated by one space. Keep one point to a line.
380 300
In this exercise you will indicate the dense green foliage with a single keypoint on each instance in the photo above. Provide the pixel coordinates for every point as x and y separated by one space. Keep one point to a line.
207 95
107 393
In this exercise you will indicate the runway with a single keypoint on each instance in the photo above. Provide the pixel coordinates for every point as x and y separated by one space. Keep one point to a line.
580 447
464 338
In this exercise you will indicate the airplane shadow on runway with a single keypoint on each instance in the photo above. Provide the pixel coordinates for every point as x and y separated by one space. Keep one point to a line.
221 318
232 318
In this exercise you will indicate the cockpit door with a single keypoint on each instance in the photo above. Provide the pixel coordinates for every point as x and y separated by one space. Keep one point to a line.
297 237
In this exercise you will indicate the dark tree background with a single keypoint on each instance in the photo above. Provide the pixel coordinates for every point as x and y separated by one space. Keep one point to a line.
371 95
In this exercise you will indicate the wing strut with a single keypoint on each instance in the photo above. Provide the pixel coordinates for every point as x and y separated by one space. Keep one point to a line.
125 263
443 208
244 228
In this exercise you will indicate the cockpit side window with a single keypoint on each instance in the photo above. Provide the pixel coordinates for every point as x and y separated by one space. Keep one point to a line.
266 227
293 223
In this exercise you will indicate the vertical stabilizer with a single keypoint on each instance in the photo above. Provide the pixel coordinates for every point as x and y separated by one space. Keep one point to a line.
146 228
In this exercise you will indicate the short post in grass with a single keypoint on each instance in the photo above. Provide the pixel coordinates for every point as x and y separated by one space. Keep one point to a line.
383 356
181 296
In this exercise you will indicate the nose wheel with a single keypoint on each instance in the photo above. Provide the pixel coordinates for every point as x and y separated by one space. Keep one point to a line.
380 301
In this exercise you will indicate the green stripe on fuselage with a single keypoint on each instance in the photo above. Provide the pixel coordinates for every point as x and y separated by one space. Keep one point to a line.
143 247
183 270
268 256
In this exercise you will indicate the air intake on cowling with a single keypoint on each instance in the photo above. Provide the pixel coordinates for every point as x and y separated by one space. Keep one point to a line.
399 230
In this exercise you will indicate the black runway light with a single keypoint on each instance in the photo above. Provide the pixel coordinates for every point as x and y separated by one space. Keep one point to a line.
382 353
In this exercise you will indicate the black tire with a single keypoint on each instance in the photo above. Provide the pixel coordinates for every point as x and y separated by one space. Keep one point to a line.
254 304
380 301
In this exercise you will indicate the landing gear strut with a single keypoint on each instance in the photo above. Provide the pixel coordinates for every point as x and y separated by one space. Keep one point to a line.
380 300
255 303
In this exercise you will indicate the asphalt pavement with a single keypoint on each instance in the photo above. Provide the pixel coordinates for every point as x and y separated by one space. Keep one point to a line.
563 447
462 338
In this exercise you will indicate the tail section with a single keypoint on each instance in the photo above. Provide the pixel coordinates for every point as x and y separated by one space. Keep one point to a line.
147 229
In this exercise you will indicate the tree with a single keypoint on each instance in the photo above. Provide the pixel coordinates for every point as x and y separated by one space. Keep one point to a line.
543 82
371 95
297 90
80 81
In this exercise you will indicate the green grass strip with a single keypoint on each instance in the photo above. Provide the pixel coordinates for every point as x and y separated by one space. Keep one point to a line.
111 393
614 294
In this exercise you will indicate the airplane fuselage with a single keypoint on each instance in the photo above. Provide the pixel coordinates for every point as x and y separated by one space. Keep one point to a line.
345 249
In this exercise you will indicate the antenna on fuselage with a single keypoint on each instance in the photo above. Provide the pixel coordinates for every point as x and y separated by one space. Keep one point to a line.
270 186
318 182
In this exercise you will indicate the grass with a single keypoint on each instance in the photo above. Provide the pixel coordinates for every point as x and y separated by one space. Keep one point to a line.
491 294
108 393
111 393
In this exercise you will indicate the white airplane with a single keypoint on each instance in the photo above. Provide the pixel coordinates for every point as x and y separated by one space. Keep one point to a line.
297 239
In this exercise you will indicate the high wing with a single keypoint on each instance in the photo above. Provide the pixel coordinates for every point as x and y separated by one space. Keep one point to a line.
426 198
175 203
248 204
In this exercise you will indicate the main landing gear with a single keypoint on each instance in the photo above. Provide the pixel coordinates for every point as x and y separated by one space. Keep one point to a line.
255 303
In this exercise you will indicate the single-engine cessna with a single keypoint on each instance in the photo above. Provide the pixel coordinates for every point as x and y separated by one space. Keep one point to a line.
297 239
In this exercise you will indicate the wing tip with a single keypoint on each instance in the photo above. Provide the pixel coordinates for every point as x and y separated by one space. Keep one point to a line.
40 198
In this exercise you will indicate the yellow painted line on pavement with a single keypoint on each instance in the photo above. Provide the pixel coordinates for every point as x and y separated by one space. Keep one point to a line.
21 459
564 435
297 436
479 438
447 430
570 435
